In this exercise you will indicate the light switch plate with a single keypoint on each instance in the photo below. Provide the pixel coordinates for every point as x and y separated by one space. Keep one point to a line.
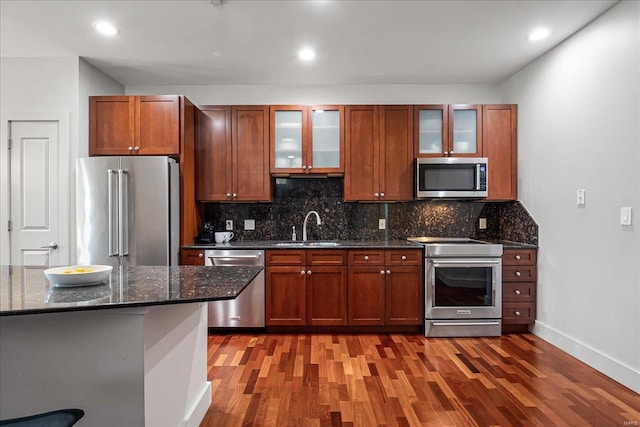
249 224
625 216
580 197
228 224
382 224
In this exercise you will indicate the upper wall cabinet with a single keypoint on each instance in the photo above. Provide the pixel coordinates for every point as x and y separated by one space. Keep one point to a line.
379 153
232 154
500 147
307 139
134 125
448 130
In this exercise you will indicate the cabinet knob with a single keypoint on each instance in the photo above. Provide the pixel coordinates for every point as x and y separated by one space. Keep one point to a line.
388 271
381 271
517 291
517 256
200 255
517 313
235 195
376 194
304 167
366 257
228 194
518 274
310 167
381 194
308 271
404 258
136 148
446 153
303 272
130 148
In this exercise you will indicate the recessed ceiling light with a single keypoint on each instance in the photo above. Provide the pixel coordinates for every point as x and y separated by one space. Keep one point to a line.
538 34
105 28
306 54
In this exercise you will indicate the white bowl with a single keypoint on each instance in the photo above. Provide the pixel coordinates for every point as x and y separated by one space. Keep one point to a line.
78 275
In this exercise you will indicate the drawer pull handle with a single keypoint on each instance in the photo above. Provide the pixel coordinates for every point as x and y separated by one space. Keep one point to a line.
517 313
404 258
517 291
517 256
518 274
366 257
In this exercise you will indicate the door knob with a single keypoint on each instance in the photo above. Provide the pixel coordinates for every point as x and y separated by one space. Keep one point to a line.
52 245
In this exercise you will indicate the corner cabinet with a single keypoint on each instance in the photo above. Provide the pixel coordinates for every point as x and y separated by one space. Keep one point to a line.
307 139
135 125
500 146
448 130
379 153
232 154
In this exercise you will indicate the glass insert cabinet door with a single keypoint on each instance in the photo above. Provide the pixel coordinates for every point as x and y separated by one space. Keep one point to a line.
465 130
326 138
288 126
431 129
448 130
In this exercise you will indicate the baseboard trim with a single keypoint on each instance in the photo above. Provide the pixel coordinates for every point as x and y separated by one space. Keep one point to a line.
200 408
614 369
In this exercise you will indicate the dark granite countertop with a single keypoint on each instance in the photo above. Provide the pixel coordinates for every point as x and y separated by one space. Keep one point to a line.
285 244
25 290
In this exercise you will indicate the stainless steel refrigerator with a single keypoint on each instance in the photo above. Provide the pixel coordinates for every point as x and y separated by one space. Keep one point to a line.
127 210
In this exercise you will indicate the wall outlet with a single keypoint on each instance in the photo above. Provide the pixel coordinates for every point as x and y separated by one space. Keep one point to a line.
229 224
482 224
249 224
382 224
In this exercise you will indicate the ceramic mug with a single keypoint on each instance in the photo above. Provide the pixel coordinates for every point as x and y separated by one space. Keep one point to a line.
220 236
228 235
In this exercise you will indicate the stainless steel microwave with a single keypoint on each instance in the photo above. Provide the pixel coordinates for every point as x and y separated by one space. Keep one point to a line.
455 177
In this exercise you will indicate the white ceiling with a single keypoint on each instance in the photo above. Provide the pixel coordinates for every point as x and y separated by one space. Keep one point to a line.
195 42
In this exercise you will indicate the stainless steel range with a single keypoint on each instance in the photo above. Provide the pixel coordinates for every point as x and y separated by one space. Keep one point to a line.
463 287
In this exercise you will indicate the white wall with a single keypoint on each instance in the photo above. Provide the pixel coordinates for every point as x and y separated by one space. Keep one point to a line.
578 120
44 88
309 95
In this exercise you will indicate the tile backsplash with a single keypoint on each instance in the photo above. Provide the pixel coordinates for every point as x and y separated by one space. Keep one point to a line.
359 221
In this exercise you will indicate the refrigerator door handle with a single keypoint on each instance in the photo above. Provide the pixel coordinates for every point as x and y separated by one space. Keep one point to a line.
123 209
110 174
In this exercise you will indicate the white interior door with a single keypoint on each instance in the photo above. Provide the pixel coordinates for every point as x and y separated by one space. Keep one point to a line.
34 200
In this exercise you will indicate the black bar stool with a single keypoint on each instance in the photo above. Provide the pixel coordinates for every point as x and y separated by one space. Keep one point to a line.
59 418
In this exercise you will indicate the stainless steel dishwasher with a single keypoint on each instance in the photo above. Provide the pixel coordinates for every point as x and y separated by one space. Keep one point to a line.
248 309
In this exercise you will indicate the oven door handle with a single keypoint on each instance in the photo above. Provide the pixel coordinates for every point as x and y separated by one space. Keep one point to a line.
465 262
492 322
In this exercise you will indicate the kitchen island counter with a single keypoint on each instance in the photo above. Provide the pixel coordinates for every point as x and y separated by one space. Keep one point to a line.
25 290
130 352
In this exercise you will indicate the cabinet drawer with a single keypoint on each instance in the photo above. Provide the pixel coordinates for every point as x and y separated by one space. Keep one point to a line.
519 257
404 257
519 292
518 312
285 257
366 257
519 273
191 257
326 257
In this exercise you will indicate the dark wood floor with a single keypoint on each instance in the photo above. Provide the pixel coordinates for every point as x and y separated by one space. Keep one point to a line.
407 380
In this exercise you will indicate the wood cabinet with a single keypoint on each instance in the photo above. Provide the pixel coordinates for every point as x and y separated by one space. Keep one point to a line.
378 153
191 257
448 130
135 125
307 139
501 148
232 154
519 276
385 287
306 287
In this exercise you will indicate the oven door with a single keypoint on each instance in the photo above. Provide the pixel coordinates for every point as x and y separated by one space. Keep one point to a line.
463 288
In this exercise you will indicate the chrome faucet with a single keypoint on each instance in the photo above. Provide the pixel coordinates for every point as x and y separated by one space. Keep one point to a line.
304 226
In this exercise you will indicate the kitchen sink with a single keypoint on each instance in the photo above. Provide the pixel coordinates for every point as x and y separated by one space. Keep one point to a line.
313 244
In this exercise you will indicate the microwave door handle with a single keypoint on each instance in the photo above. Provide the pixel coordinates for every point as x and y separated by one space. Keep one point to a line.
478 177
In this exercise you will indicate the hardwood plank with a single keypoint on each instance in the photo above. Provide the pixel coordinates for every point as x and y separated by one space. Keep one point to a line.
407 380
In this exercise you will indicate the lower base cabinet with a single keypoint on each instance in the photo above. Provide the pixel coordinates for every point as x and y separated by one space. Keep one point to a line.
519 276
344 287
191 257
